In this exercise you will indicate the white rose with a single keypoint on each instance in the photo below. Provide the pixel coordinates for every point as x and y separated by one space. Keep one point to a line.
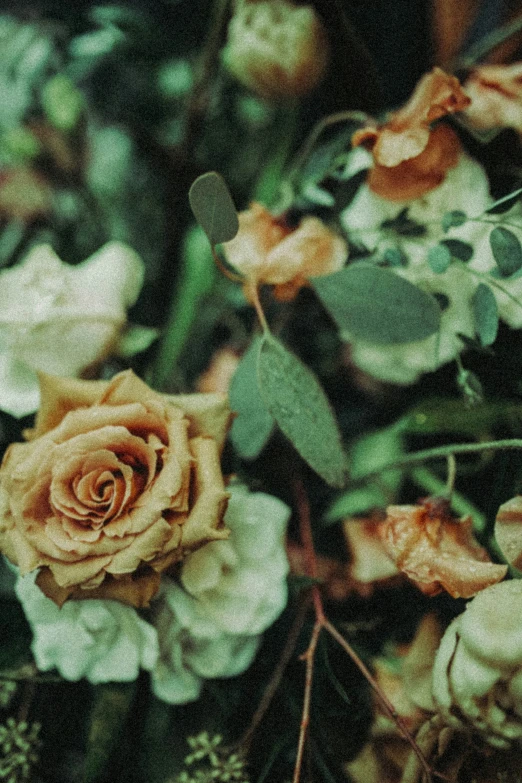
477 674
232 594
103 641
59 318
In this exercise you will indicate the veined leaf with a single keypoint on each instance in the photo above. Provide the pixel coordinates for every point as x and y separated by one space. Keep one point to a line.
485 313
506 250
377 305
253 424
295 399
213 207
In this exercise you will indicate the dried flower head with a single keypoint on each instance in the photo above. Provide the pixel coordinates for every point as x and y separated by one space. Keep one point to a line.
411 155
275 48
267 250
437 551
496 97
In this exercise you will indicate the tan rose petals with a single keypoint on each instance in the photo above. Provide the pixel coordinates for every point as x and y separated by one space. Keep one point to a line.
496 97
115 485
265 250
437 551
411 158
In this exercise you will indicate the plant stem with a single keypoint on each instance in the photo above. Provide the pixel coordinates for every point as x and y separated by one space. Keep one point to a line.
480 49
418 457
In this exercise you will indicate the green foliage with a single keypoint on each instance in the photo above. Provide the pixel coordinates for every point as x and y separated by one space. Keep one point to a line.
107 720
374 304
253 424
370 453
439 258
15 635
453 219
403 225
213 207
62 102
485 312
506 250
458 249
294 397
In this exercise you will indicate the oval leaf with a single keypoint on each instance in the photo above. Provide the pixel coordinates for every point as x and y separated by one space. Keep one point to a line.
451 219
439 258
377 305
458 249
213 207
253 424
506 250
295 399
485 313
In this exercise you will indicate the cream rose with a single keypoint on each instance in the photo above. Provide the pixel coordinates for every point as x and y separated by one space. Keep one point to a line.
59 318
116 483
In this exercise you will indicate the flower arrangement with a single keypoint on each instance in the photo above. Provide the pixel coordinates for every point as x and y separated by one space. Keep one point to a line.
260 378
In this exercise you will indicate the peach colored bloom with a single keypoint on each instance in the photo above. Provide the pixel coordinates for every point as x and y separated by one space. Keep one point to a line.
219 373
438 551
370 563
116 483
266 250
496 96
275 48
410 157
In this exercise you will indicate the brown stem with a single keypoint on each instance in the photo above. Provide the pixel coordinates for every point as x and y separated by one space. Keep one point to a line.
275 680
308 656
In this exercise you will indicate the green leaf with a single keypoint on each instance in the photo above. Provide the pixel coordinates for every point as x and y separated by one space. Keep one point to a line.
62 103
136 339
213 207
454 416
395 256
370 453
295 399
109 714
439 258
458 249
485 313
506 250
253 424
505 203
453 219
377 305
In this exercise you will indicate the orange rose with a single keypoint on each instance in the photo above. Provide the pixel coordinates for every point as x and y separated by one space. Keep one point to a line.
114 485
412 157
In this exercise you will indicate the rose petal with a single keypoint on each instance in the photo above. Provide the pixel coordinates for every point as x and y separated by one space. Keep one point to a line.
436 551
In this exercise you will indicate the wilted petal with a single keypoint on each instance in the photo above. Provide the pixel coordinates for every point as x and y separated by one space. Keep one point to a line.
437 551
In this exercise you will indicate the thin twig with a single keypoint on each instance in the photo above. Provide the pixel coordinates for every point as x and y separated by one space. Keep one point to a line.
275 680
308 656
452 474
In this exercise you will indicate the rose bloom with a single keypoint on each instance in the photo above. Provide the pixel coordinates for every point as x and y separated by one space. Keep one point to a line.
232 591
59 318
477 675
410 156
116 483
103 641
437 551
266 250
275 48
496 97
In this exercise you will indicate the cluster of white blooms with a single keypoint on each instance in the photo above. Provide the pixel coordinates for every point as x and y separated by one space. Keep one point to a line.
466 189
209 627
477 675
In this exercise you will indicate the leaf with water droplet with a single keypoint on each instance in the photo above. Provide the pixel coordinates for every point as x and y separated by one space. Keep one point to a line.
295 399
213 207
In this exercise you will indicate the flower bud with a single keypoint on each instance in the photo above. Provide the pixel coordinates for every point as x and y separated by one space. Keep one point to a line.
276 49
